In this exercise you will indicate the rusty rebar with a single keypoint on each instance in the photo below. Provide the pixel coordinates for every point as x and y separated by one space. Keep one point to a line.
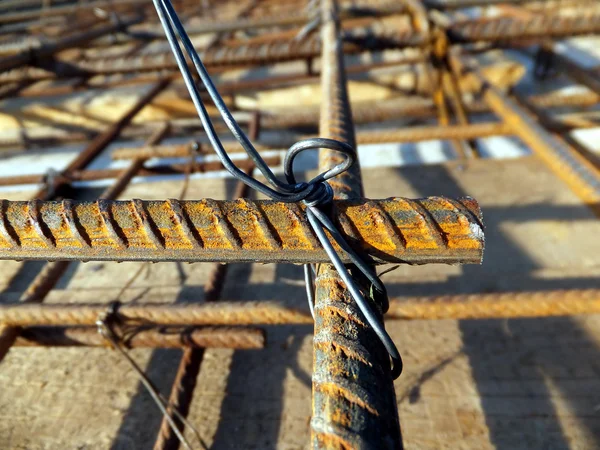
145 171
506 305
570 166
260 53
203 337
461 306
408 134
44 51
180 398
211 313
509 30
433 229
353 400
191 359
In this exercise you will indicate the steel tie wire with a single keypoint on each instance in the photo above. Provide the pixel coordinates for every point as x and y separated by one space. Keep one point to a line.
316 194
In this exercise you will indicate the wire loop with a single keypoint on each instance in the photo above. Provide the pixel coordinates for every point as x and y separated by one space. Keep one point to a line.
315 194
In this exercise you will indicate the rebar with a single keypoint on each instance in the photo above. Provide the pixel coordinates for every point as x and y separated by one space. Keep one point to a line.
501 305
353 400
409 134
261 53
428 230
506 305
191 359
212 313
144 171
35 55
541 26
204 337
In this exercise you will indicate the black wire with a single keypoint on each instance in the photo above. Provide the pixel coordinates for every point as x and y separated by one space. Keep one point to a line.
314 194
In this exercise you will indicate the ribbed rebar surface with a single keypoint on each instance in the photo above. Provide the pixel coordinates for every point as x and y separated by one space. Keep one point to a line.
211 337
463 306
434 229
353 399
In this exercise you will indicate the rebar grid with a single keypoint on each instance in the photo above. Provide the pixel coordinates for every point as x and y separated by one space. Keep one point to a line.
347 412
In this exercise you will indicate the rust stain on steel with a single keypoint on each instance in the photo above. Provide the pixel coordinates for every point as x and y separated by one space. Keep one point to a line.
161 169
410 134
462 306
212 313
205 337
509 30
434 229
353 399
498 305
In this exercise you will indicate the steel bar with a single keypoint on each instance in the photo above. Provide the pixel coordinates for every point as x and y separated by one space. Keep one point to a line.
408 134
146 171
575 170
363 112
30 75
508 305
196 314
292 17
262 53
353 400
191 359
428 230
509 30
46 50
203 337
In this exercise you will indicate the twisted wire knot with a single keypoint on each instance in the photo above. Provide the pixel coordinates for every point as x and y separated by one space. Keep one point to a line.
322 195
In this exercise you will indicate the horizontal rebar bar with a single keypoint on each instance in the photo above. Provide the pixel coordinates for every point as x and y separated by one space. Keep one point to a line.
463 306
34 55
409 134
260 53
434 229
541 26
204 337
506 305
144 171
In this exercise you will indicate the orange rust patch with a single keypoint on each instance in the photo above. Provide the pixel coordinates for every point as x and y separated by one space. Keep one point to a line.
208 225
335 391
332 441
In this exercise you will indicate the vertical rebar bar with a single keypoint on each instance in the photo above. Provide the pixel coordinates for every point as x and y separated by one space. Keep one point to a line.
191 359
354 404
